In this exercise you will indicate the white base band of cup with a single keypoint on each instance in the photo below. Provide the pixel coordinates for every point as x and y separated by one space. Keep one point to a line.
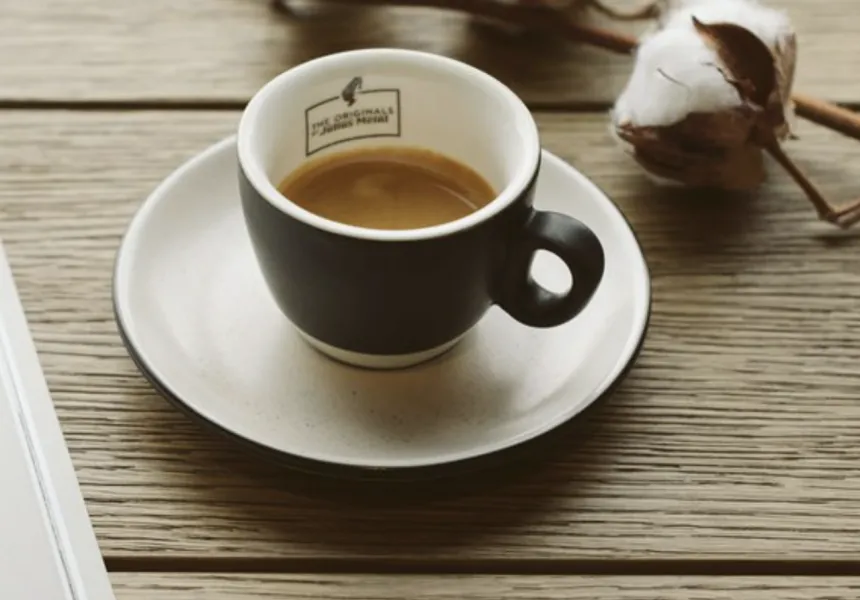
378 361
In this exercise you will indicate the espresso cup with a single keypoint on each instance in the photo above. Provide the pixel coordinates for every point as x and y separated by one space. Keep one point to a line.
394 298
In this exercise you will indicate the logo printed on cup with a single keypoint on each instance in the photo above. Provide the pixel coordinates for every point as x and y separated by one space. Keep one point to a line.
353 115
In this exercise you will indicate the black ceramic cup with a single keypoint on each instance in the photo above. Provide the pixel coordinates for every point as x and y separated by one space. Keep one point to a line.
394 298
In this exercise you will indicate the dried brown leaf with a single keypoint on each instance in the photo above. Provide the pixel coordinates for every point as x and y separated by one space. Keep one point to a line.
702 133
704 149
739 169
751 65
755 72
725 129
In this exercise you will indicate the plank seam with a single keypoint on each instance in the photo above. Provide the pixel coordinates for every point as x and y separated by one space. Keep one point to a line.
105 105
204 104
385 566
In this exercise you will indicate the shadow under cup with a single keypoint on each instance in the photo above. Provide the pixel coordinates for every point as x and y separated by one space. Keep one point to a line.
394 298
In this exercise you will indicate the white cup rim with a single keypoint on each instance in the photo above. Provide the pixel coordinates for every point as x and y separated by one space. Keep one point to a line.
256 175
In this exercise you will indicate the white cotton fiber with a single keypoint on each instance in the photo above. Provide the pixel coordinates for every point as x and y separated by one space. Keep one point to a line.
676 73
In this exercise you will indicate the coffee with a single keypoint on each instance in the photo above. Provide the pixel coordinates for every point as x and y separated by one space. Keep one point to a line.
388 188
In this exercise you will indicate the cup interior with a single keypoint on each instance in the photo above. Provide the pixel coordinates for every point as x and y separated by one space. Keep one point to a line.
394 98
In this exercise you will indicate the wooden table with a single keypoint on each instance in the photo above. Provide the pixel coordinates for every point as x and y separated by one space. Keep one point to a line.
727 465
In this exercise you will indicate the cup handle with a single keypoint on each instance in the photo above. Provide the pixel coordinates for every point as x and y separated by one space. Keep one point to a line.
575 244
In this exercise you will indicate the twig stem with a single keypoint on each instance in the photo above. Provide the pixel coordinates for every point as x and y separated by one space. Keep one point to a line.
844 216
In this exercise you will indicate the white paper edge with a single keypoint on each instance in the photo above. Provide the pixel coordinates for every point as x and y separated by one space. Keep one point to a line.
77 550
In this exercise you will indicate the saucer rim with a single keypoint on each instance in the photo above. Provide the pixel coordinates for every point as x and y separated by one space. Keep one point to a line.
480 461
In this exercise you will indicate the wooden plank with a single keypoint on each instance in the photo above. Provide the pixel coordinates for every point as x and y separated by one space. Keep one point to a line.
224 50
734 437
170 586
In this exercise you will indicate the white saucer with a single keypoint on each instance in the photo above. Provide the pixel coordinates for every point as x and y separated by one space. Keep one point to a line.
198 320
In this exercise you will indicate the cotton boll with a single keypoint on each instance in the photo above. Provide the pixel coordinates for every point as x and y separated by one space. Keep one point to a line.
710 87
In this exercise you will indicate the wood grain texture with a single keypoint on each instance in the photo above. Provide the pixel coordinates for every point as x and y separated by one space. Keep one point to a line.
735 437
168 586
224 50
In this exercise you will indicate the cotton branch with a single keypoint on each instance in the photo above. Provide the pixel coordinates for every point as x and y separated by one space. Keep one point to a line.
565 23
